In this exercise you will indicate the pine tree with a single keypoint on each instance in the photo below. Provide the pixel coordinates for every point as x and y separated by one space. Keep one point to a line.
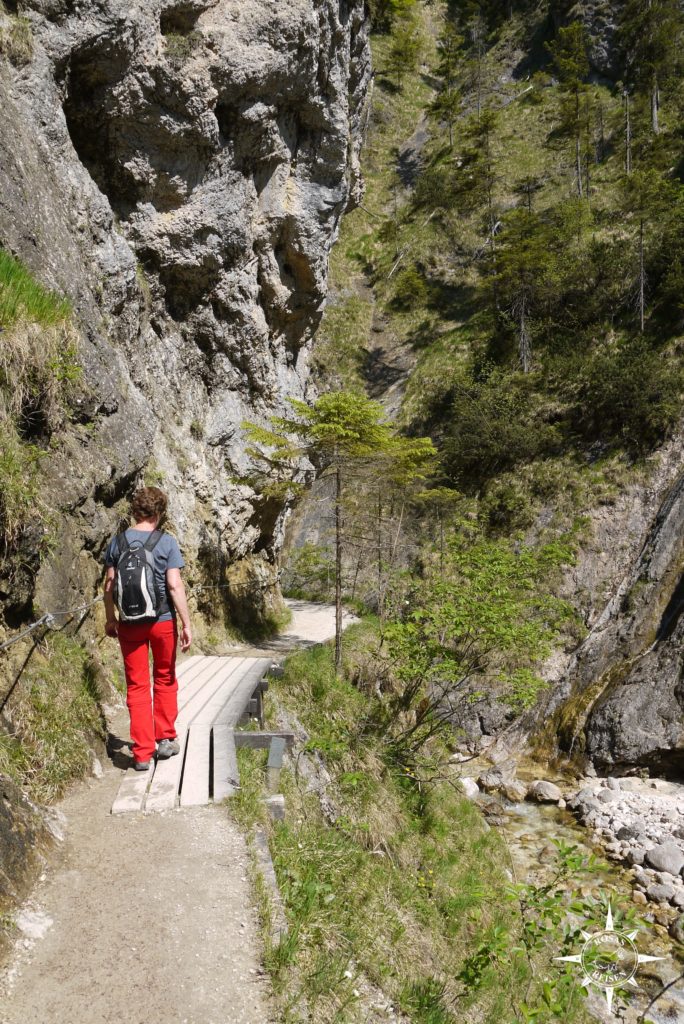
651 33
447 104
341 433
646 196
569 53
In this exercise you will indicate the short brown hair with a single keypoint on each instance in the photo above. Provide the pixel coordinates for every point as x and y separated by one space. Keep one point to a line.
148 503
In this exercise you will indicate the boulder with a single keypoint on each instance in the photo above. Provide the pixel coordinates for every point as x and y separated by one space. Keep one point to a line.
515 791
493 780
608 796
628 832
639 897
665 857
545 792
660 893
676 929
470 788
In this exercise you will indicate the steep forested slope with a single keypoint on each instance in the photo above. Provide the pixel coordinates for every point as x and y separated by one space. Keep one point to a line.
511 286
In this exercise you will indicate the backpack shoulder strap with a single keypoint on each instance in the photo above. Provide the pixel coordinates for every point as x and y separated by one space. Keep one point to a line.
154 538
121 543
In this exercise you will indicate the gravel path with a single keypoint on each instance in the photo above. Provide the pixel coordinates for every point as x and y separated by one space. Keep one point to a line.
143 918
146 917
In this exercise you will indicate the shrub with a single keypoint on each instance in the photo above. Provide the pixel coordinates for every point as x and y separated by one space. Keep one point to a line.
16 40
629 394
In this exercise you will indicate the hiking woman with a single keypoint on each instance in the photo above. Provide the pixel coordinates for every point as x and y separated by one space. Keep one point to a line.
143 583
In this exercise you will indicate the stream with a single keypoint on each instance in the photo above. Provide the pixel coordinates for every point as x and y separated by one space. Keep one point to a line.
529 829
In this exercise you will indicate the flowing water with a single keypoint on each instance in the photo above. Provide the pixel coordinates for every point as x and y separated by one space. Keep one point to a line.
529 829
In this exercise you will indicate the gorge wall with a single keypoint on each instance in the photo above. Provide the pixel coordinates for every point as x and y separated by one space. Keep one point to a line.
179 171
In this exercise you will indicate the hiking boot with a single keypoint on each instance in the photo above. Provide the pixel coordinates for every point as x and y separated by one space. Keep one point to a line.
167 748
141 766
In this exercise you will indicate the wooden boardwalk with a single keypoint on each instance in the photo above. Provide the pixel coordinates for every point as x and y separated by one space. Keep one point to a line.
213 694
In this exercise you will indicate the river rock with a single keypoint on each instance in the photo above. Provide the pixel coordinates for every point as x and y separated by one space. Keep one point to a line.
608 796
639 897
470 788
628 832
545 792
660 893
666 857
612 783
515 791
676 929
493 780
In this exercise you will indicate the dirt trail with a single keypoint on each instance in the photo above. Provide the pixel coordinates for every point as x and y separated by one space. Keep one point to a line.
146 918
152 919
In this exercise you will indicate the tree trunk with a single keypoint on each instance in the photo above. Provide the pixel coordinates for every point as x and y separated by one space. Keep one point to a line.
655 106
578 145
338 570
628 136
523 337
642 277
379 555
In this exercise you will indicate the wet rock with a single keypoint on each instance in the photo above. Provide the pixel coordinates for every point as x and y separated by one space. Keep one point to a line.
545 792
666 857
515 791
548 854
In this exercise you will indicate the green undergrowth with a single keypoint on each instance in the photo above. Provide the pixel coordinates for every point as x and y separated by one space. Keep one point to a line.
400 890
39 370
54 718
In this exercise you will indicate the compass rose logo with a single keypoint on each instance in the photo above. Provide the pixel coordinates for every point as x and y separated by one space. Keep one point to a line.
609 958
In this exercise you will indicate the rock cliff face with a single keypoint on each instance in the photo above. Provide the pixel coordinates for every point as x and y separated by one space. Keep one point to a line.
179 170
600 20
619 699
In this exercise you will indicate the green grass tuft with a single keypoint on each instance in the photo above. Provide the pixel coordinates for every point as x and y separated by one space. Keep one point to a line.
23 299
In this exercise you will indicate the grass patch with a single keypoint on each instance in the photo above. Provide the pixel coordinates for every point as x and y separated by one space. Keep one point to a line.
55 717
399 889
22 298
16 39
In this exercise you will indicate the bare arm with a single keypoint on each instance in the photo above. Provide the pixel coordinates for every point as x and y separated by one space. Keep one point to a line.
174 585
111 624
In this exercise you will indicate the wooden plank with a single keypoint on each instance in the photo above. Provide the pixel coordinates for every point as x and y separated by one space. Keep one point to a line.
163 792
239 697
195 785
203 688
199 674
262 740
226 773
131 795
182 667
275 752
205 714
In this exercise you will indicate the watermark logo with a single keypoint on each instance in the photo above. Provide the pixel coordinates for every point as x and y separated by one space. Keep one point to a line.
609 958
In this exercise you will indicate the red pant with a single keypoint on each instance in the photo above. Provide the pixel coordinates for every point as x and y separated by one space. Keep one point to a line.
148 722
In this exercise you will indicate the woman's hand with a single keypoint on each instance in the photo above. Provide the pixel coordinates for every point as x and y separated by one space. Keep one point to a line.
185 638
112 628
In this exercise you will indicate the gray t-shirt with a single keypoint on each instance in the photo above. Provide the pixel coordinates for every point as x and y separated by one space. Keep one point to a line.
166 556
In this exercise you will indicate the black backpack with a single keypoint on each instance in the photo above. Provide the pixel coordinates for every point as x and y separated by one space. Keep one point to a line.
135 590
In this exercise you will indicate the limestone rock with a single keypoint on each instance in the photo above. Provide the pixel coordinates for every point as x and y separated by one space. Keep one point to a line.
179 171
666 857
545 792
659 892
470 788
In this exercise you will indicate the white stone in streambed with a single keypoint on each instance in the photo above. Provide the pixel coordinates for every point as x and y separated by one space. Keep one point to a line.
608 796
666 857
470 788
612 783
515 791
545 792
